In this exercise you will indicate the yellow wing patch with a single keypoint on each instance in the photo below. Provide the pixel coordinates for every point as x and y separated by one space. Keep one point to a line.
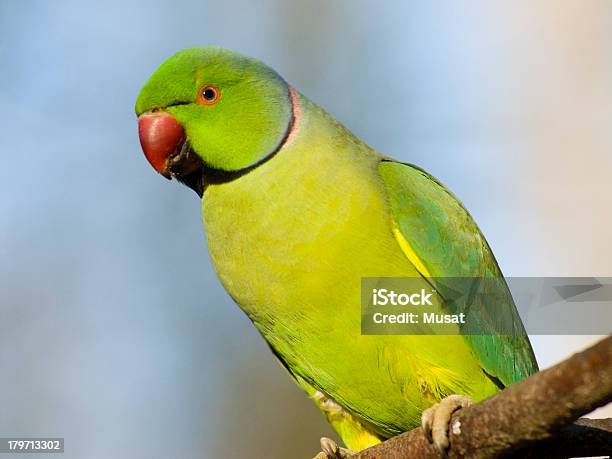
409 252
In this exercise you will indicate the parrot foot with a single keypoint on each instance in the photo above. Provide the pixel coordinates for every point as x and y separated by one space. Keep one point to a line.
331 450
435 420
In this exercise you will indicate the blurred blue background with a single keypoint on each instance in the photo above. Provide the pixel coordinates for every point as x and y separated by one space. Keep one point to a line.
114 331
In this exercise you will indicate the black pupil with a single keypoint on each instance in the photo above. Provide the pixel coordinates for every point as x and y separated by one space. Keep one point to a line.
209 94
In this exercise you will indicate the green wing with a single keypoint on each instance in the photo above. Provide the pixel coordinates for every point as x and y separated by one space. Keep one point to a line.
443 242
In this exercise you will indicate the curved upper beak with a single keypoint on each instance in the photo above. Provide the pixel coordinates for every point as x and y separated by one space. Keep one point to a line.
161 136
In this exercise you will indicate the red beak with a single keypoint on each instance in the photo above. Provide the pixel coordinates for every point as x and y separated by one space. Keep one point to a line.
160 136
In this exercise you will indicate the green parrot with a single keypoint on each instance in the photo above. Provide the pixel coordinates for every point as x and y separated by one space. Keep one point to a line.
297 211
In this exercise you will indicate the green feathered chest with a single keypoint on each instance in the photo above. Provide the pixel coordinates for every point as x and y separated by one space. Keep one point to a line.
291 241
294 236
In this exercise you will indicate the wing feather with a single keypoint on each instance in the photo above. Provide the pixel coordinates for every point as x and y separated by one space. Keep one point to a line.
442 241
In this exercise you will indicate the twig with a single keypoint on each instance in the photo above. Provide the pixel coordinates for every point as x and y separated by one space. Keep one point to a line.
533 418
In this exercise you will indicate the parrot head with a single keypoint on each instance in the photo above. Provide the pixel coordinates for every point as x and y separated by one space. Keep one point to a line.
212 112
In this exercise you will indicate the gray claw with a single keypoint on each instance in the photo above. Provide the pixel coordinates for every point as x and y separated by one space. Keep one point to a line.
435 419
333 451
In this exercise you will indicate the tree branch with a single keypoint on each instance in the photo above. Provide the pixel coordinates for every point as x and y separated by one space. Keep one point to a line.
533 418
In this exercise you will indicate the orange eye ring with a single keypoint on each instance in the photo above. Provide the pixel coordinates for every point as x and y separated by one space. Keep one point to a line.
209 95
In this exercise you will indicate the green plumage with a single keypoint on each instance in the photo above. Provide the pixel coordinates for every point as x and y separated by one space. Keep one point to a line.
450 245
249 121
292 238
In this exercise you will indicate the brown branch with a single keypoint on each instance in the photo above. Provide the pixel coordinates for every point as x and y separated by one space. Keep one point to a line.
533 418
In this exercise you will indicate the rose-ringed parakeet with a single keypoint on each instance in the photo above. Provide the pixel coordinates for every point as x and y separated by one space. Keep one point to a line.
297 211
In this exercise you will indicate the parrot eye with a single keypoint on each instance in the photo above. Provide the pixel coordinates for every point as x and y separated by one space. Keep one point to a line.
209 95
